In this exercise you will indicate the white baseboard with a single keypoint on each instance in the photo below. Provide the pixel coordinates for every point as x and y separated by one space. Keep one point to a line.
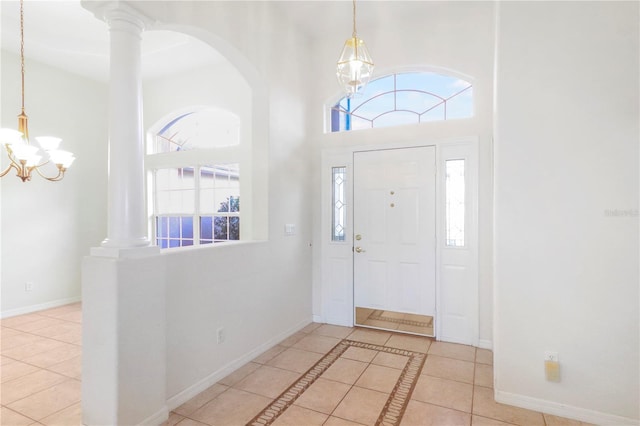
39 307
485 344
156 419
317 318
562 410
184 396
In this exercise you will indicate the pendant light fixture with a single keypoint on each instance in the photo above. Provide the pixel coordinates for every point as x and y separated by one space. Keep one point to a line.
24 157
355 65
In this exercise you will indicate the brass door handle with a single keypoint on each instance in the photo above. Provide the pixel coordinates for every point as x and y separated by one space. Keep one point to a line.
359 250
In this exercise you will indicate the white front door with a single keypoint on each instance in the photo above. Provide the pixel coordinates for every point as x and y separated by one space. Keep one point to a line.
394 232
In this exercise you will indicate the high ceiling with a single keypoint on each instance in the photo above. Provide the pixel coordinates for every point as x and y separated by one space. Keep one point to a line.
52 30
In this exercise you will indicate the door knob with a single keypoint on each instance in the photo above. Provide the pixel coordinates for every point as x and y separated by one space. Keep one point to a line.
360 250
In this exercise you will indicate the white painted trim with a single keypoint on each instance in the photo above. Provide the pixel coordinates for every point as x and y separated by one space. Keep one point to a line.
185 395
485 344
562 410
39 307
318 319
158 418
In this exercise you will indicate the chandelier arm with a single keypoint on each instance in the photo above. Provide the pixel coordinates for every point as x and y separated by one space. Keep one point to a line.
56 178
9 167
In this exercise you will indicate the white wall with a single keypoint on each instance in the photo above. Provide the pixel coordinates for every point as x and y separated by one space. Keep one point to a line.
566 153
258 291
457 36
48 226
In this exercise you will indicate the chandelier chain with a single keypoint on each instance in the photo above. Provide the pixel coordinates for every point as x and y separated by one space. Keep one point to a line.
355 34
22 48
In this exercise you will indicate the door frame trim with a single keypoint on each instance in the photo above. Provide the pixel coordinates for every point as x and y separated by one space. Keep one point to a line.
336 269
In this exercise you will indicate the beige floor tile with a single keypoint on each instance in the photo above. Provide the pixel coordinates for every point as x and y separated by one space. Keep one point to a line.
35 326
449 368
337 421
423 414
485 421
62 310
453 350
333 331
390 360
70 416
11 418
379 378
267 381
552 420
484 375
295 360
269 354
38 346
74 337
16 389
6 361
484 405
361 405
54 356
359 354
72 316
311 327
484 356
201 399
232 407
297 416
317 343
323 396
365 335
58 330
410 343
428 331
345 371
18 340
443 392
20 319
190 422
70 368
174 419
49 401
293 339
14 370
239 374
8 332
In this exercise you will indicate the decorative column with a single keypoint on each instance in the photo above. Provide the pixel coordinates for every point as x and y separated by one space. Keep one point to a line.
123 281
126 221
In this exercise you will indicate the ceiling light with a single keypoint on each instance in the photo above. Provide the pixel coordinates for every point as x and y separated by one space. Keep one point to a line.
23 156
355 65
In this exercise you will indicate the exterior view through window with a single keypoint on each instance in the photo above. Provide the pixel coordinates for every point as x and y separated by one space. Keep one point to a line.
404 98
196 204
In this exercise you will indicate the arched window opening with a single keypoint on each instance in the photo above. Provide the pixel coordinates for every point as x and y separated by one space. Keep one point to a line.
195 199
404 98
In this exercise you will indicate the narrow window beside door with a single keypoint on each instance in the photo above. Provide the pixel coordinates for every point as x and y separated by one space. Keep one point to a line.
338 218
454 203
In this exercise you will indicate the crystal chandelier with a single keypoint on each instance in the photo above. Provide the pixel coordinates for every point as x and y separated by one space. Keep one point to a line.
24 157
355 66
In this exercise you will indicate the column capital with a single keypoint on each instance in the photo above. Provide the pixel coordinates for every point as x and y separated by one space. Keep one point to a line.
115 12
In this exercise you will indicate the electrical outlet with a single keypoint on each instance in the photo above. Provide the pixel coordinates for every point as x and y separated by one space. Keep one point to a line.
220 335
28 286
551 356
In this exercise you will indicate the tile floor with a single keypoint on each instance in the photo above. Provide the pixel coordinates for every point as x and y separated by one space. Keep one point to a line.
322 375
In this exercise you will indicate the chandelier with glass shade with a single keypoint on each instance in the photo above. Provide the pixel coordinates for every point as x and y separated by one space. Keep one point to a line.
23 156
355 65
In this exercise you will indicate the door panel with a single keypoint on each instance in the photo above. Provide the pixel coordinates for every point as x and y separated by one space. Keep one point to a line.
394 217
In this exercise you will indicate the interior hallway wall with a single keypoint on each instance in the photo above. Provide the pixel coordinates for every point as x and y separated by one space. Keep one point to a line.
48 226
566 207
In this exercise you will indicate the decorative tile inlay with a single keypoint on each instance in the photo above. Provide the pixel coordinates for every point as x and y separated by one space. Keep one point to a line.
394 407
378 315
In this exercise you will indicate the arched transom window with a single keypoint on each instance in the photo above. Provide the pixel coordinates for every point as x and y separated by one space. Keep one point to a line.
404 98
